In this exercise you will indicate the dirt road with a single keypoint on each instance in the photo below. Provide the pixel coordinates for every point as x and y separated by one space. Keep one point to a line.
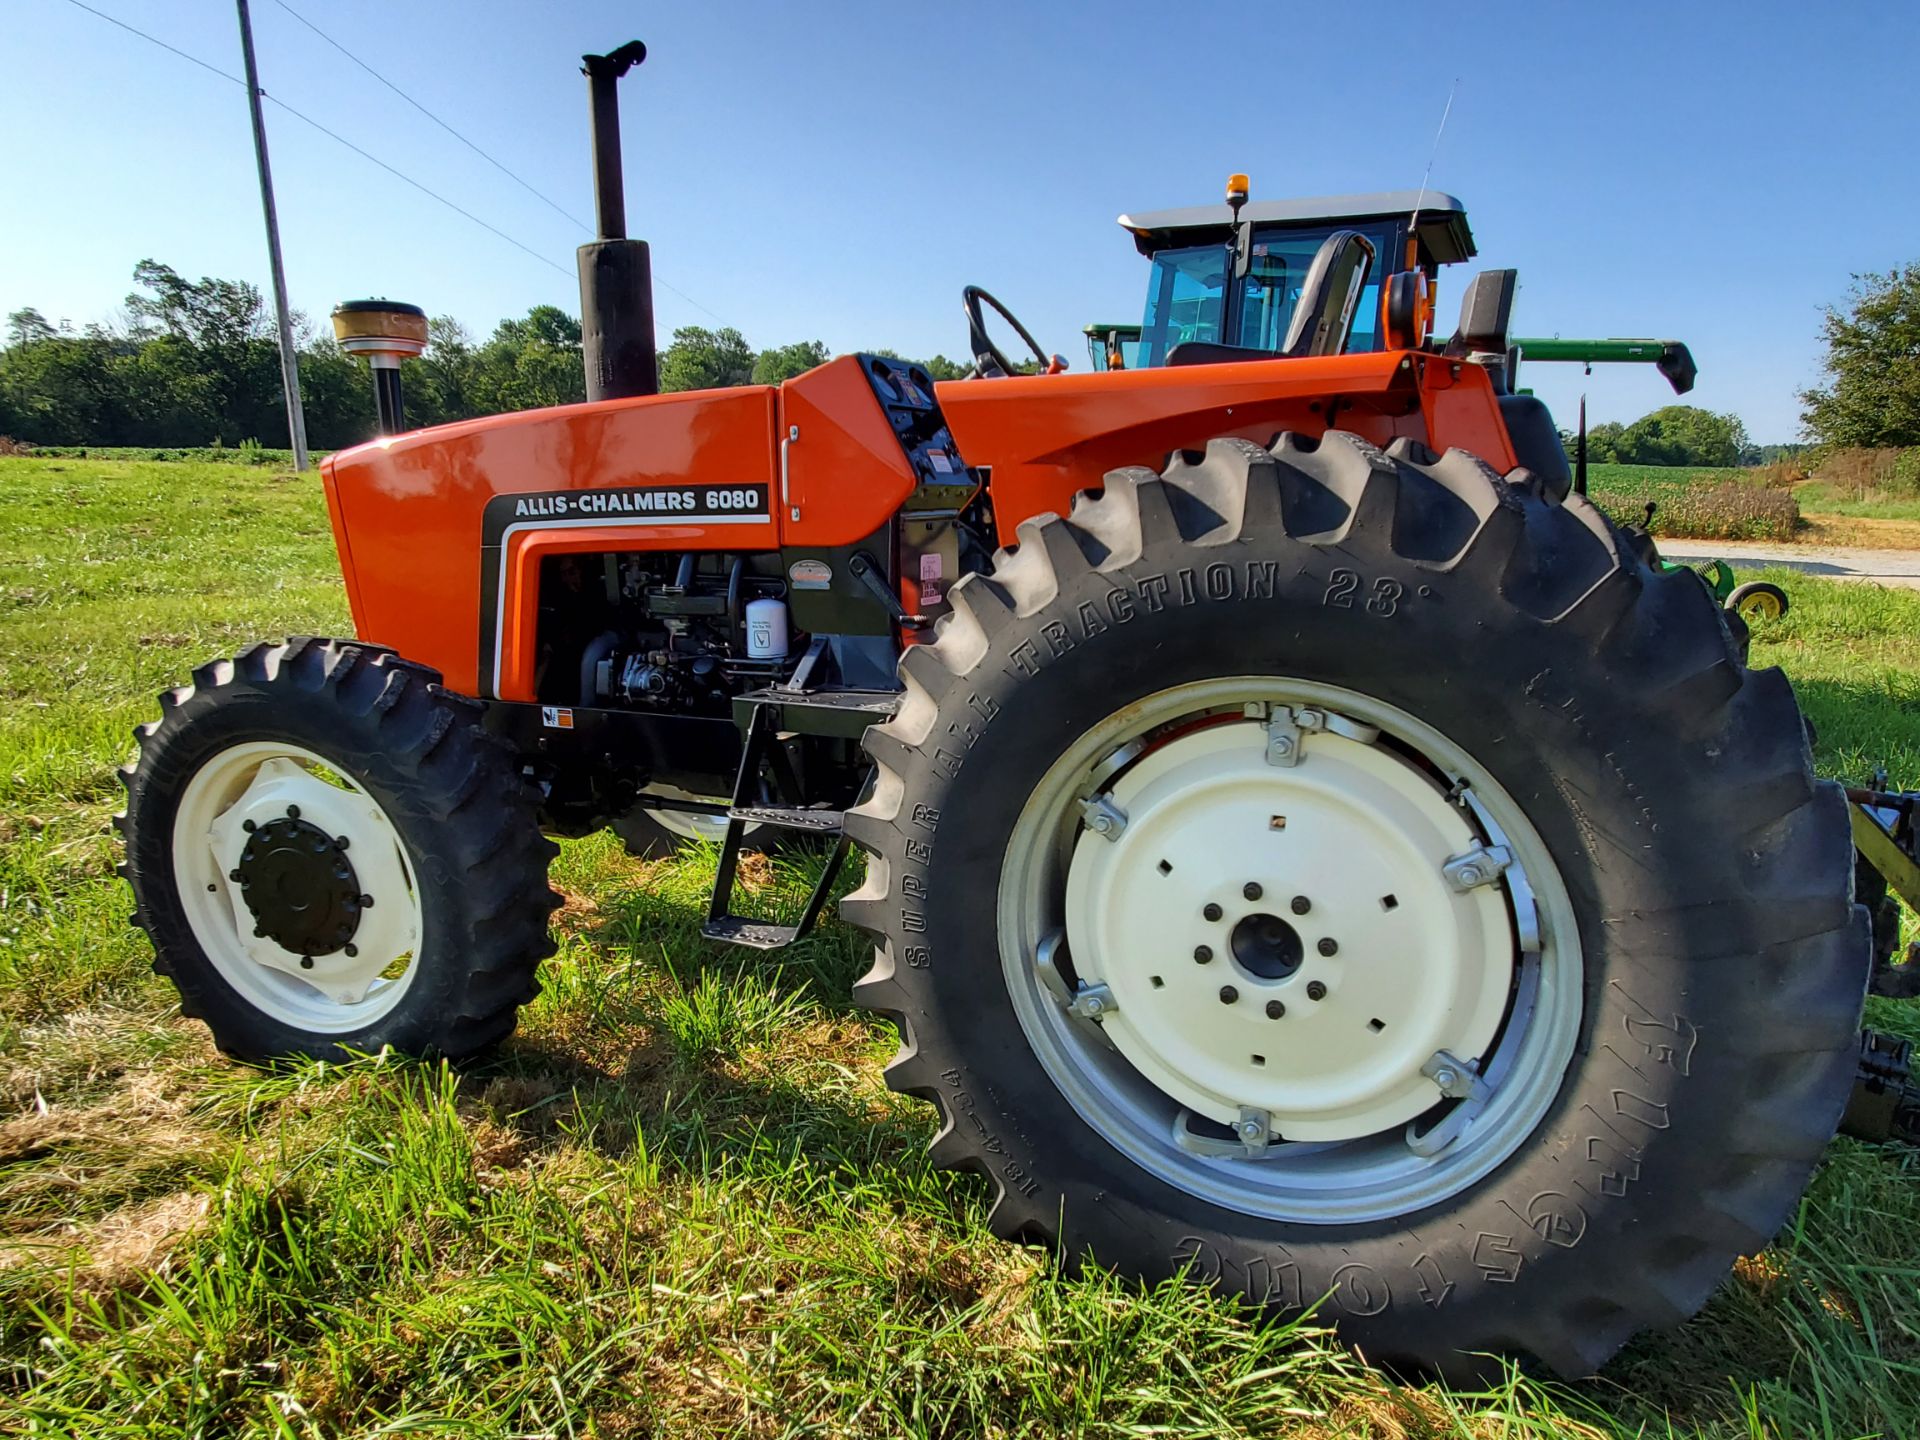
1897 568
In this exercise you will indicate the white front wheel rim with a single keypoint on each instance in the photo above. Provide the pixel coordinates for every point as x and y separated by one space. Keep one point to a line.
271 816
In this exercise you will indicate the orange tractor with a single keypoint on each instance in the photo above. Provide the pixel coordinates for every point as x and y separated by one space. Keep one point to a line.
1307 848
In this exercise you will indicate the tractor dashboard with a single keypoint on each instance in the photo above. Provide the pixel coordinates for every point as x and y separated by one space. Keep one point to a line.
905 393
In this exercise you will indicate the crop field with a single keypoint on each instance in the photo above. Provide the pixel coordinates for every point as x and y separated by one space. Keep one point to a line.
1727 503
1702 503
681 1201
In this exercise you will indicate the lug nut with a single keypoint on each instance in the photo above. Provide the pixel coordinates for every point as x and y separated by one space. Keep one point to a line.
1301 905
306 962
233 875
1202 954
340 842
366 902
1329 945
259 932
248 826
1213 912
1316 991
352 950
1251 890
213 889
293 812
1275 1009
1228 994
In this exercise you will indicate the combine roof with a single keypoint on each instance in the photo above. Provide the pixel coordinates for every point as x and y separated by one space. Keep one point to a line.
1444 236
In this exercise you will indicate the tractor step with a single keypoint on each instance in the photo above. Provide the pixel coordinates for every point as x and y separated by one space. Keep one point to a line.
845 713
755 934
721 924
764 722
789 817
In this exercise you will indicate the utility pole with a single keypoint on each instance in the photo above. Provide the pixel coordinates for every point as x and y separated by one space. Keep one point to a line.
289 359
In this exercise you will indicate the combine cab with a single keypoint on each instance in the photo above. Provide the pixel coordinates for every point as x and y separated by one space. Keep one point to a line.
1308 849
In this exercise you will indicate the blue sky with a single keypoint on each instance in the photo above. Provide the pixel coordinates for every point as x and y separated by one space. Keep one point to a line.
1711 171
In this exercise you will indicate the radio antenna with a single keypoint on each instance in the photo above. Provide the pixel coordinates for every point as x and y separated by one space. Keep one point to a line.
1413 225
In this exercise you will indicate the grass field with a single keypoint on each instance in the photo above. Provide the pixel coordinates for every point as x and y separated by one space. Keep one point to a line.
681 1201
1816 496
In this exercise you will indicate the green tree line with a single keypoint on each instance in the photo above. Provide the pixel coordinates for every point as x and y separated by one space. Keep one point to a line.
193 362
1673 435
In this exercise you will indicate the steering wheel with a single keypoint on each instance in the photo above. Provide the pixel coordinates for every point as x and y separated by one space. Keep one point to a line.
988 359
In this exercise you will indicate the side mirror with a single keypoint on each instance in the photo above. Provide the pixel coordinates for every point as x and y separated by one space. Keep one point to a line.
1486 315
1323 318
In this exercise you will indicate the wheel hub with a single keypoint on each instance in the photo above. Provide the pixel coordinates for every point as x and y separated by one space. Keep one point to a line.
298 884
1324 1018
262 841
1266 946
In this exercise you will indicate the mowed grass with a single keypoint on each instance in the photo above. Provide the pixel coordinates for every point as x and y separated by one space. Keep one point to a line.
681 1201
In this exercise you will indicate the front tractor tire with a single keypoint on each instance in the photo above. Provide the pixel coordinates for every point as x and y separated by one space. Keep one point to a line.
1331 873
331 856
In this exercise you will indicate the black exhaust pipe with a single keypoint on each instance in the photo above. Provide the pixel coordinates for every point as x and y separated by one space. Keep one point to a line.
616 274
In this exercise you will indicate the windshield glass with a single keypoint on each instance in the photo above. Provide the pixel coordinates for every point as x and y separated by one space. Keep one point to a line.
1272 290
1183 300
1187 292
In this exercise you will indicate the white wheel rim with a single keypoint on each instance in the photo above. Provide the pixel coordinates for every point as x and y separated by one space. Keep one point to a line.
1358 838
340 987
1400 1068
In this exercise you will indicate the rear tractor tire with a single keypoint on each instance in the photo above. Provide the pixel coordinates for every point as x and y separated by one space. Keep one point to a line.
1331 873
331 856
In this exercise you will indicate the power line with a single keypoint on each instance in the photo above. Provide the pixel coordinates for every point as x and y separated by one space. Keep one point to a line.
156 40
367 155
330 134
523 184
434 194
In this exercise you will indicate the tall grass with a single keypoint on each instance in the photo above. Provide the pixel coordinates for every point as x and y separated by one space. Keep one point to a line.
1870 475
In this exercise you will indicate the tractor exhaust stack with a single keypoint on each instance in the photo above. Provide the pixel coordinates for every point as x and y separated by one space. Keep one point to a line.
616 274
